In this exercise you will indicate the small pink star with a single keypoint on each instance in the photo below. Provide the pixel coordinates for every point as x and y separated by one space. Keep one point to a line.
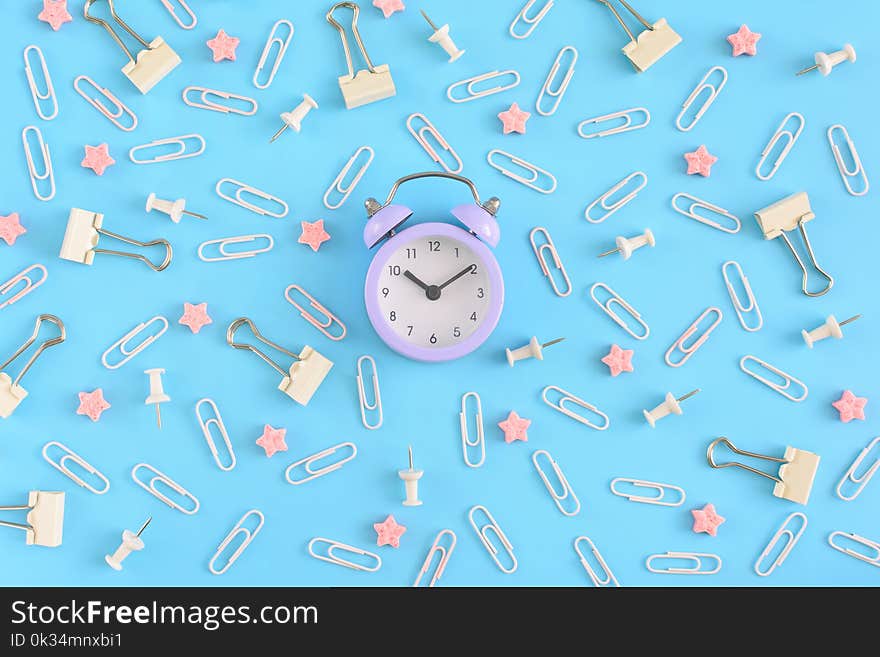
272 440
744 41
313 234
850 407
388 7
92 404
195 316
98 158
619 360
706 520
514 119
223 46
11 228
700 161
388 532
514 428
55 13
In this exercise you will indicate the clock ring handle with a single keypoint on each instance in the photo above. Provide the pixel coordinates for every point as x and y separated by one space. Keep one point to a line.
490 206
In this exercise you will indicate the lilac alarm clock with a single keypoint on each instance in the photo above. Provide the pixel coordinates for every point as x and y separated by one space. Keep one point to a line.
434 291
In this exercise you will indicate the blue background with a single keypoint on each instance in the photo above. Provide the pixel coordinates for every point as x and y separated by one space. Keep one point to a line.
670 285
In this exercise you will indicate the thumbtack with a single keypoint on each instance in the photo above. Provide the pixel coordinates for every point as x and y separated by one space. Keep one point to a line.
670 405
830 329
626 246
532 350
131 542
157 395
174 209
411 477
441 36
293 118
825 61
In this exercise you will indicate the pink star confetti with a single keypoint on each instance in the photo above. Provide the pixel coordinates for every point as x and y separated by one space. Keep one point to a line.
619 360
98 158
514 428
11 228
514 119
92 404
388 532
850 407
706 520
313 234
195 316
744 41
700 161
388 7
272 440
223 46
55 13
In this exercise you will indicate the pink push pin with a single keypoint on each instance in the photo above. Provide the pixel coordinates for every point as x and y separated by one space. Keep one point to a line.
626 246
670 406
830 329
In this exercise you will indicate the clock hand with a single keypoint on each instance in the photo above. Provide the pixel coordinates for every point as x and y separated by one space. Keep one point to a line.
458 275
431 291
415 280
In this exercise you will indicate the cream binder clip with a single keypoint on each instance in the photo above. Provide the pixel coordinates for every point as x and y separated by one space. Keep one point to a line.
369 84
651 44
11 393
151 64
306 374
45 518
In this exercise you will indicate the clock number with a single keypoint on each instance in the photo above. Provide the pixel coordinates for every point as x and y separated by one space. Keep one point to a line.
385 292
480 293
409 330
473 269
433 339
474 317
434 245
392 316
394 270
456 332
456 252
411 254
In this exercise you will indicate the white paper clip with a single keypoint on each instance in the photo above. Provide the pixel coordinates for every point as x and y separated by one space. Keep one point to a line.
366 406
244 188
167 482
696 558
271 42
872 558
550 247
566 397
790 136
829 329
669 406
607 578
83 232
658 499
714 90
330 557
306 373
308 461
534 172
186 9
614 206
180 153
205 101
796 474
131 542
493 527
825 62
429 129
688 350
626 126
36 93
531 21
750 306
248 536
781 385
225 254
559 91
29 286
337 187
35 176
616 299
130 352
791 538
480 441
11 392
651 44
626 246
326 322
445 551
119 109
469 85
44 522
441 37
69 455
705 205
847 173
861 480
215 421
567 492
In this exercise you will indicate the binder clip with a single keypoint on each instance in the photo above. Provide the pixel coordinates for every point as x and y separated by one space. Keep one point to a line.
45 518
796 473
651 44
783 216
82 235
151 64
367 85
306 374
11 393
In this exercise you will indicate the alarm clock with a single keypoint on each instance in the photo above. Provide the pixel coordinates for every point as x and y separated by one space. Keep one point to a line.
434 291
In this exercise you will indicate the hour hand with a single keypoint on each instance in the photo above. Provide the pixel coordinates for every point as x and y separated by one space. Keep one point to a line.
415 279
431 291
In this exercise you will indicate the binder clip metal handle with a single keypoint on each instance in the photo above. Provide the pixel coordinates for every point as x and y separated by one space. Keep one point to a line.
230 340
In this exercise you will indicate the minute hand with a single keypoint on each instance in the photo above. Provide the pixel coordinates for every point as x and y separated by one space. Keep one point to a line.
458 275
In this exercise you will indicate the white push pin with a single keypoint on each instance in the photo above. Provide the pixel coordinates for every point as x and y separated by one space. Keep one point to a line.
825 61
411 477
293 118
532 350
669 406
157 394
174 209
626 246
441 36
131 542
830 329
